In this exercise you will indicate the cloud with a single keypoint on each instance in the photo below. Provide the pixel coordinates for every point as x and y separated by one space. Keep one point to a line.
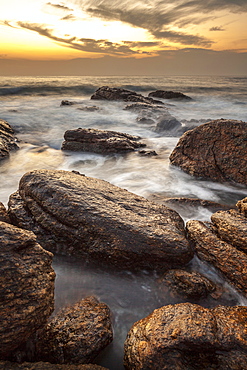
69 17
217 28
60 6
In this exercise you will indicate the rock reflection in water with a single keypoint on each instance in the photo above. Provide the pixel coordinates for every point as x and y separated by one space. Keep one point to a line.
130 296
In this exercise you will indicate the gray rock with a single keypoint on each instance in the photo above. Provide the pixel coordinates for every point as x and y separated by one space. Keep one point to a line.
7 139
169 95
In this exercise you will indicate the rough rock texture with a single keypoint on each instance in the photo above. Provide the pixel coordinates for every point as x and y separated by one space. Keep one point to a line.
242 206
7 139
100 141
93 218
188 337
26 287
6 365
189 285
169 95
3 214
231 226
215 150
76 335
231 262
113 93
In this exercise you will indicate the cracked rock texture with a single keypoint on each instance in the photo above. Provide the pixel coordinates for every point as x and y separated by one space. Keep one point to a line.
26 287
186 336
215 150
90 218
7 139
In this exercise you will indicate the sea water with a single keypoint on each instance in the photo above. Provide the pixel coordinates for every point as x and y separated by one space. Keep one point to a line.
32 106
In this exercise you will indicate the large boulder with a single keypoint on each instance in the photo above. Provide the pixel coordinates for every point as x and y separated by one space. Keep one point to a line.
7 365
114 93
163 94
231 262
26 287
100 141
188 337
215 150
7 139
242 206
76 335
94 219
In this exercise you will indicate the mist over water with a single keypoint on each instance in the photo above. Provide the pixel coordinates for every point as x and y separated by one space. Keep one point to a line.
32 108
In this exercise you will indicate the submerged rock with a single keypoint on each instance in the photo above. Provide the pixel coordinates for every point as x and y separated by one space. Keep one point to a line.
169 95
215 150
7 365
76 335
113 93
91 218
26 287
7 139
100 141
186 336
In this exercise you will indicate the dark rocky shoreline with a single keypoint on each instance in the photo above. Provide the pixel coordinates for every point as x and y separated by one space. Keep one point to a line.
69 213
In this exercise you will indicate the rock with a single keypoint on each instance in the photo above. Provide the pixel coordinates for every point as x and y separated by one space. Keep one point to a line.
231 226
189 285
180 203
100 141
186 336
3 214
7 365
215 150
113 93
242 206
67 102
169 95
148 153
90 108
231 262
92 218
168 123
26 287
7 139
76 335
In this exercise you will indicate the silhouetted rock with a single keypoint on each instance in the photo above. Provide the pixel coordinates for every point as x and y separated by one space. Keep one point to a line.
169 95
215 150
231 262
6 365
7 139
91 218
100 141
26 287
186 336
76 335
113 93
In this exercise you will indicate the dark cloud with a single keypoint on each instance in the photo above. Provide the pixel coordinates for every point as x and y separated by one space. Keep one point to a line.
217 28
60 6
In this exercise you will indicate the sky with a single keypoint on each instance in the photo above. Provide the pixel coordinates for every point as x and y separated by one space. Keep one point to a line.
123 37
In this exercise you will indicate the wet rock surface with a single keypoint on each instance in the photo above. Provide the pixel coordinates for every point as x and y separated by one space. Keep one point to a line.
113 93
98 221
76 335
231 262
26 287
214 150
7 365
188 337
100 141
169 95
7 139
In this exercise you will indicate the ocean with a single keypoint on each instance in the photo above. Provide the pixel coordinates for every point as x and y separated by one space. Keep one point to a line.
32 106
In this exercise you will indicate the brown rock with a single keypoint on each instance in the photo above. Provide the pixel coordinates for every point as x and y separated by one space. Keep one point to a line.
3 214
215 150
231 226
7 139
187 337
26 287
7 365
242 206
91 218
100 141
76 335
169 95
231 262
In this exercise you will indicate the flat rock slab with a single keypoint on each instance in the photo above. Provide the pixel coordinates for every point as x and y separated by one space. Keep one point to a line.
7 365
215 150
231 262
163 94
26 287
186 336
94 219
100 141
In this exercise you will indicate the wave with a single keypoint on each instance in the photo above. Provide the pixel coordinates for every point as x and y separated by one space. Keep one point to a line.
45 90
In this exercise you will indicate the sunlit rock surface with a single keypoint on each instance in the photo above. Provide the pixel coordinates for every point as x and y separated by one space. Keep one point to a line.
91 218
26 287
186 336
215 150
